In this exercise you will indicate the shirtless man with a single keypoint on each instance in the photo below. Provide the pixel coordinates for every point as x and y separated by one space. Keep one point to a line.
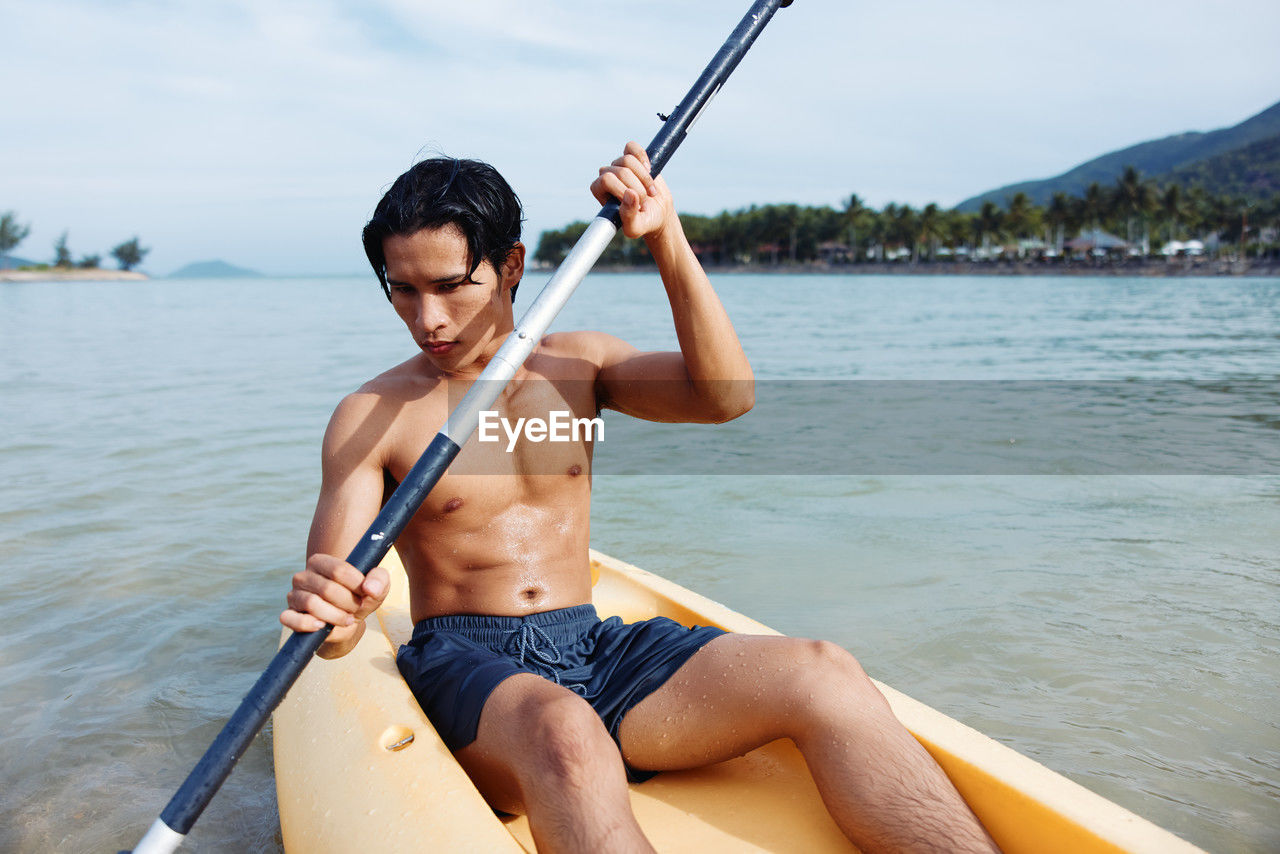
548 709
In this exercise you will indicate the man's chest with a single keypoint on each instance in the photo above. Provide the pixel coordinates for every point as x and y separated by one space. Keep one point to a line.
533 447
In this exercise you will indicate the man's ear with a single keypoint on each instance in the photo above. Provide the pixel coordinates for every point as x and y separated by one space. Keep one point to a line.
513 267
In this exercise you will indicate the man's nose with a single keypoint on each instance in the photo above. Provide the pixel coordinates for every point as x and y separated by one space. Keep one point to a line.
431 312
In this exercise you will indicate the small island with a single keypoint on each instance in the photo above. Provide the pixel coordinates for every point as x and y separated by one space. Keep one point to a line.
217 269
13 269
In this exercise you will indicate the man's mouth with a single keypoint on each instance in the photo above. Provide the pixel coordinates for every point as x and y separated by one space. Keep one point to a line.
437 348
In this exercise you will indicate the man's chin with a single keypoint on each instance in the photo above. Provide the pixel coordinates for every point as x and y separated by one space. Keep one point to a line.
452 360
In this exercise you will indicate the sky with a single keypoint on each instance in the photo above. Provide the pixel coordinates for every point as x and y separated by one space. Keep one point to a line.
263 133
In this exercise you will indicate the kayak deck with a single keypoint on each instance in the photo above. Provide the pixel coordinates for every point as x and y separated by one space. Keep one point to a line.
356 759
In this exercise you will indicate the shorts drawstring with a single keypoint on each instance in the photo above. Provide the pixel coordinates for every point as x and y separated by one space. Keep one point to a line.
530 640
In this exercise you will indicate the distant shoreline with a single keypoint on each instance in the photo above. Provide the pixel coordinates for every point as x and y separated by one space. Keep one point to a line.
72 275
1181 268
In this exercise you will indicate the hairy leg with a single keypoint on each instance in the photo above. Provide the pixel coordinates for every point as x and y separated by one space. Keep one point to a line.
739 692
542 751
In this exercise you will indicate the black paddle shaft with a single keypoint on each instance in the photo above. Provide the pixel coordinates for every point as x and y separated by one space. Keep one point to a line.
213 768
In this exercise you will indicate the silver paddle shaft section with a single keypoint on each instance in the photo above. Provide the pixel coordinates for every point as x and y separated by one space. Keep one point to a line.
160 839
462 422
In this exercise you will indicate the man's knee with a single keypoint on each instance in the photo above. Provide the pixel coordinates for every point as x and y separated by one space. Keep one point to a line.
568 739
832 684
825 660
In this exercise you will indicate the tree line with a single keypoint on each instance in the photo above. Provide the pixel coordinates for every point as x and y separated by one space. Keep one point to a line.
1142 212
128 254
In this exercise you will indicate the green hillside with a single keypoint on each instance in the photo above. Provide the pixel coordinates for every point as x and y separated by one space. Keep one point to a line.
1251 172
1185 153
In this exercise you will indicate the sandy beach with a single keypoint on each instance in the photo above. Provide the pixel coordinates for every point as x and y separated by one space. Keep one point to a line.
72 275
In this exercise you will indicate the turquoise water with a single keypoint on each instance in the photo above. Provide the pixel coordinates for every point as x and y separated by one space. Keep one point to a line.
159 463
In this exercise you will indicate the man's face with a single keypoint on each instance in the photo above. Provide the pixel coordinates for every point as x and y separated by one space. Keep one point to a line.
453 318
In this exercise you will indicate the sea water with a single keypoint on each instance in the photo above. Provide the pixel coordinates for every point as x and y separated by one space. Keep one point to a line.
1048 507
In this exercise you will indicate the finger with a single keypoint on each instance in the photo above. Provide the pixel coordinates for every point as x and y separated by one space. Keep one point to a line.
376 585
638 166
336 569
306 602
637 151
598 190
630 179
329 590
298 622
613 185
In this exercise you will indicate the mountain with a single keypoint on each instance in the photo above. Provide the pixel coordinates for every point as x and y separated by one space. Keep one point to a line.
1183 154
1252 171
12 262
212 270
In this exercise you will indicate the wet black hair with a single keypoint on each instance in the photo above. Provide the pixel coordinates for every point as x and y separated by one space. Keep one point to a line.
442 191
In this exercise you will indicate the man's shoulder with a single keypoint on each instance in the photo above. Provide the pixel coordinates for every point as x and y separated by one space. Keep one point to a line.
377 403
591 345
408 380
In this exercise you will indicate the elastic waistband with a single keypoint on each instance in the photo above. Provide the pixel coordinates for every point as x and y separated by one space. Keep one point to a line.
561 625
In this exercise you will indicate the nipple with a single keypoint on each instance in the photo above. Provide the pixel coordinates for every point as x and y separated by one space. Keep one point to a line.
575 470
452 504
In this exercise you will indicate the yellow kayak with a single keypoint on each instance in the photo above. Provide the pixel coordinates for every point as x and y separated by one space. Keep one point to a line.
358 766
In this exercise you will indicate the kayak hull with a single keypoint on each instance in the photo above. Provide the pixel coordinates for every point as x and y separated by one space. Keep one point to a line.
358 763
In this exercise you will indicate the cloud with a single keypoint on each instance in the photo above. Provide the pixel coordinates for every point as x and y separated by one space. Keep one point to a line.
262 132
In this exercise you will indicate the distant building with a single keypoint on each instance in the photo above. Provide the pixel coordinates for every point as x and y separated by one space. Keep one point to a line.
834 252
1096 242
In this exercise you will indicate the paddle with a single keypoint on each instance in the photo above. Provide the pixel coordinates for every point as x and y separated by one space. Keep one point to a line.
178 817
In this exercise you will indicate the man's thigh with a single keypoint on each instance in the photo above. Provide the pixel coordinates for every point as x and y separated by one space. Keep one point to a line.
735 694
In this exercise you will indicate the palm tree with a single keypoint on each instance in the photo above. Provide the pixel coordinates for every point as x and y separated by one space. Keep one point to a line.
1018 216
1173 208
906 229
1057 216
957 227
931 228
1093 205
11 234
880 231
1135 200
855 217
988 224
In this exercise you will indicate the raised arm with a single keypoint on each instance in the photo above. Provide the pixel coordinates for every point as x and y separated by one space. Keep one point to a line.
328 589
710 378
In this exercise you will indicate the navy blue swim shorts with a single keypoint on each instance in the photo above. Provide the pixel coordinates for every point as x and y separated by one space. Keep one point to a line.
453 663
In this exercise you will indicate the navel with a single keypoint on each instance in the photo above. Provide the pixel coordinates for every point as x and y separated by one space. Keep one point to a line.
575 470
452 504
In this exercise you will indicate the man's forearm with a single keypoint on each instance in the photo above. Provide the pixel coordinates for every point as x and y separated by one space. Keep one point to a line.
713 356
